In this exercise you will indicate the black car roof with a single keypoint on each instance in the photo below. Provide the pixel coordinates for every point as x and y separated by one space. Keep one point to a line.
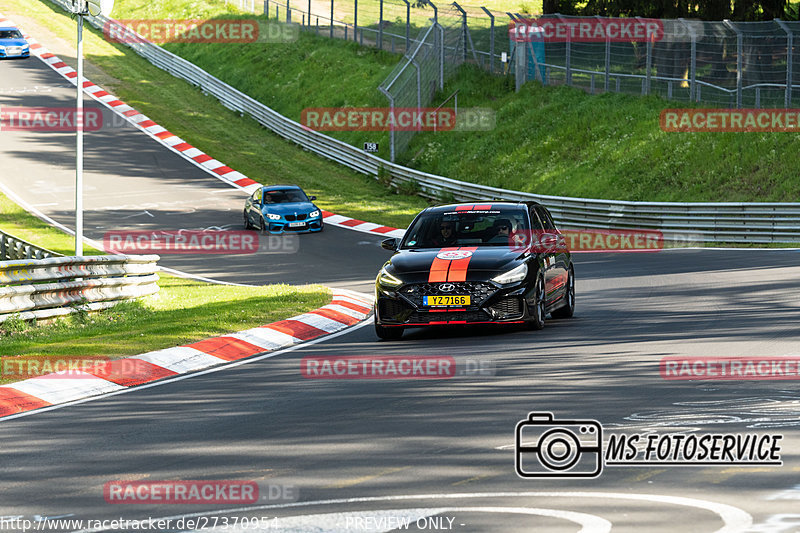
281 187
451 207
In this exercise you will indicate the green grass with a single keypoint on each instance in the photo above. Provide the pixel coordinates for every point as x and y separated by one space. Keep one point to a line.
548 140
15 221
182 312
561 141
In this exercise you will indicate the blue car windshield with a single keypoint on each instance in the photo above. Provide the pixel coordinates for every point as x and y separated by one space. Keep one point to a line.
10 34
284 196
477 227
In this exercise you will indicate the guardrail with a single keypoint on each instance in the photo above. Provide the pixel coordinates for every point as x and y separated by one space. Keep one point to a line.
710 222
57 286
15 248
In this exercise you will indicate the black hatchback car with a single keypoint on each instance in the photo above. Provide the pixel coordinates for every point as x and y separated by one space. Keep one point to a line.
462 264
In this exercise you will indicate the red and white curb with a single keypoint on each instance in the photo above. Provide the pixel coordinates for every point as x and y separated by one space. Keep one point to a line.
168 139
346 309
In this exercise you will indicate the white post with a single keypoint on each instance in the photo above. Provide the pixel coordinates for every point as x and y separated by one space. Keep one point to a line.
79 143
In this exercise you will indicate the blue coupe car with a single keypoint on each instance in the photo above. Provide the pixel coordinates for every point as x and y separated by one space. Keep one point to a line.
13 44
280 208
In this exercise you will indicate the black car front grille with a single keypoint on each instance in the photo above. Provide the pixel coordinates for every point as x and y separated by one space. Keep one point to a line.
448 316
292 218
479 291
509 307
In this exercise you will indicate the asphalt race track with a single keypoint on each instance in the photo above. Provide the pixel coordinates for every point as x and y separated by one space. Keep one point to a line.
362 454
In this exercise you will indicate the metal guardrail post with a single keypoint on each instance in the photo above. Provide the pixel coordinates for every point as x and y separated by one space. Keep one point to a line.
739 52
288 13
331 19
355 20
380 26
787 98
491 39
408 24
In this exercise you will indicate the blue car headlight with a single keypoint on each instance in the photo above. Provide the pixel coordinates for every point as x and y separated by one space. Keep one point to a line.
272 216
313 214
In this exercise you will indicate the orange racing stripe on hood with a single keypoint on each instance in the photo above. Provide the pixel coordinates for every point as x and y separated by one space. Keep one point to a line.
439 267
458 268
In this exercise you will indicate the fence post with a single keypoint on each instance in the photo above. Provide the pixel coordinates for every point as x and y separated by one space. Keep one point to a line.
739 49
521 66
787 99
435 12
380 27
693 65
266 8
288 13
408 24
392 125
568 53
608 55
441 54
331 19
355 20
309 12
463 29
649 59
491 39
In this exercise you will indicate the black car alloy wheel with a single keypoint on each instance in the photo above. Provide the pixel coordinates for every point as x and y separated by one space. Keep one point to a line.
538 310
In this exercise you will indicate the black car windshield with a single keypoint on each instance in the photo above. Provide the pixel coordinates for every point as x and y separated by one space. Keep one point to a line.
10 34
284 196
488 227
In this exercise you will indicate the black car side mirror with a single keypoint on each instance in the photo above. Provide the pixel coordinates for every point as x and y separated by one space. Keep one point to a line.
312 198
390 244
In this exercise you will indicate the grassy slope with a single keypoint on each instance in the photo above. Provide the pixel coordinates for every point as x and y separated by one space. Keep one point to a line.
548 140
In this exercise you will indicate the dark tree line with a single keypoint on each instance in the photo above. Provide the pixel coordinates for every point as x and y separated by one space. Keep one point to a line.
742 10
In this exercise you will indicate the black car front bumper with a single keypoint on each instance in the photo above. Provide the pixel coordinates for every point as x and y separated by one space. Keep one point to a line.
490 303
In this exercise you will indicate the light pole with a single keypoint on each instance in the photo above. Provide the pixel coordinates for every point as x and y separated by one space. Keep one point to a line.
79 139
81 9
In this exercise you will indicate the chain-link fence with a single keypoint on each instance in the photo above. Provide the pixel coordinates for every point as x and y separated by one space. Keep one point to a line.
415 80
393 24
434 57
726 64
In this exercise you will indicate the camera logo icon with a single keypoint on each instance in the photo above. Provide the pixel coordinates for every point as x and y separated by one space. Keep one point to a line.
549 448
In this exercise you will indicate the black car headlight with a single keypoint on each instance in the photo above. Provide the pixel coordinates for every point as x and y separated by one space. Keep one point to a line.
388 280
512 276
